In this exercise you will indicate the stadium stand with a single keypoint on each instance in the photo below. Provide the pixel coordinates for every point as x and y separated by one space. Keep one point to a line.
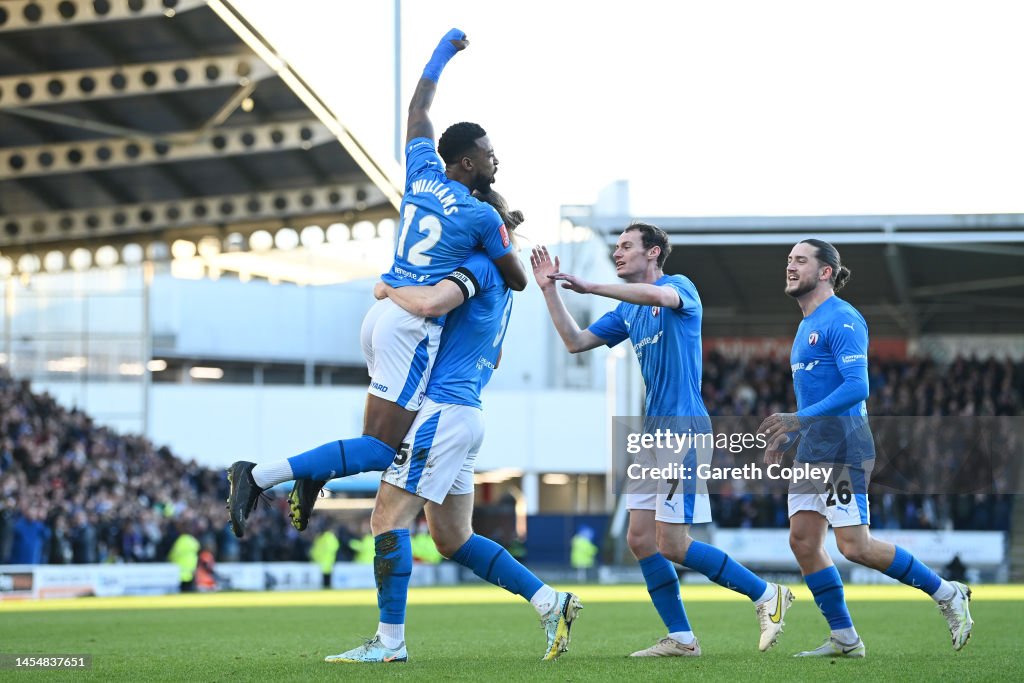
72 491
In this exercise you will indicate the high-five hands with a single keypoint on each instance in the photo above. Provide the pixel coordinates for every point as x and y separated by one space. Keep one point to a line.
547 273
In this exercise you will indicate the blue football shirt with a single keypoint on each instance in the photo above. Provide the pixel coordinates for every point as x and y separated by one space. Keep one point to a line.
441 222
668 345
831 343
473 334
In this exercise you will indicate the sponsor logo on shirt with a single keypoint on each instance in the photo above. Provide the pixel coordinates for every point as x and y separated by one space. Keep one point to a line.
482 363
504 236
813 338
807 367
853 358
379 387
402 272
646 341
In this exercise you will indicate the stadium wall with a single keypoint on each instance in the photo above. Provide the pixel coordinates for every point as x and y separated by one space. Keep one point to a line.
534 431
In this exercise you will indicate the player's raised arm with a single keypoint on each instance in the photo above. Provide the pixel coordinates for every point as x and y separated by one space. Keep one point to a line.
575 339
418 124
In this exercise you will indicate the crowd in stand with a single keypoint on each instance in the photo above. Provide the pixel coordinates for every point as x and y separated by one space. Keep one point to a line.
72 491
75 492
982 390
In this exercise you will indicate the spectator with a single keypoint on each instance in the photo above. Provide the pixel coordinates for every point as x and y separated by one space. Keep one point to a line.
582 552
83 540
30 537
324 552
185 554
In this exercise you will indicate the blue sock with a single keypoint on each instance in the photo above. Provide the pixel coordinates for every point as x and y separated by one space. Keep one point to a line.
908 569
827 588
492 563
342 458
663 586
392 567
723 570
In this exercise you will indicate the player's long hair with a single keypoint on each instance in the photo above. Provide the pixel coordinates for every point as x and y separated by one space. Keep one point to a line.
511 217
829 255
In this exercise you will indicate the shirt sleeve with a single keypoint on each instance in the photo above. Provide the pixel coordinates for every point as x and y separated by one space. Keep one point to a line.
848 340
493 234
689 300
610 327
421 158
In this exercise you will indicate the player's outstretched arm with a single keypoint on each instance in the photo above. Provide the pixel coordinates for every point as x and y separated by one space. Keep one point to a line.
428 301
418 124
638 293
575 339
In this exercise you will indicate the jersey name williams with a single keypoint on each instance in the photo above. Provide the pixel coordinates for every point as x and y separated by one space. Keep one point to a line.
439 190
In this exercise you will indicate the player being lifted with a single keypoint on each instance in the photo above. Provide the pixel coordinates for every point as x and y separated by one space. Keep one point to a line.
661 314
830 378
434 470
441 224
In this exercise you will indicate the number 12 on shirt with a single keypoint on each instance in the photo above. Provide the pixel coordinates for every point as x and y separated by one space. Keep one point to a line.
429 224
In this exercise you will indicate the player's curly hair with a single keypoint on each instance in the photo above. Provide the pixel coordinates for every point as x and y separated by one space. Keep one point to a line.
459 139
653 236
829 255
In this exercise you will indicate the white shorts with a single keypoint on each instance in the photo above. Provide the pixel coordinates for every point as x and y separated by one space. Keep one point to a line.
399 349
439 453
838 500
685 501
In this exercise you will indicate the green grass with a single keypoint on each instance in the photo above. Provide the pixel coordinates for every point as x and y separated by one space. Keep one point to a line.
481 633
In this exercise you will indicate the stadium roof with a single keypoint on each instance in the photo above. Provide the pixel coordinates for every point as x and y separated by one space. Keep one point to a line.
912 275
146 121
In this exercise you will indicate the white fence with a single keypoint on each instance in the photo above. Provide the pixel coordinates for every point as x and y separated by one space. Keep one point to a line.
21 582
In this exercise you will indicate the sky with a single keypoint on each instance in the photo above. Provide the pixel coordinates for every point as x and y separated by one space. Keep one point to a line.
718 108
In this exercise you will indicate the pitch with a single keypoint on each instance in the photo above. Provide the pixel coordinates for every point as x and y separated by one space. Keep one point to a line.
480 633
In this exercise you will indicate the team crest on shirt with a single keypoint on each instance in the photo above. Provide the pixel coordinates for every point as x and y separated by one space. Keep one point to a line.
813 338
655 310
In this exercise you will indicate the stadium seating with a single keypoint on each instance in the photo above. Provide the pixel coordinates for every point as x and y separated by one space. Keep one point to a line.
72 491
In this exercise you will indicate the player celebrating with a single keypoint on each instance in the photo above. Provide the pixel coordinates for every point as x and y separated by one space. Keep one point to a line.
434 469
661 315
442 223
830 379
